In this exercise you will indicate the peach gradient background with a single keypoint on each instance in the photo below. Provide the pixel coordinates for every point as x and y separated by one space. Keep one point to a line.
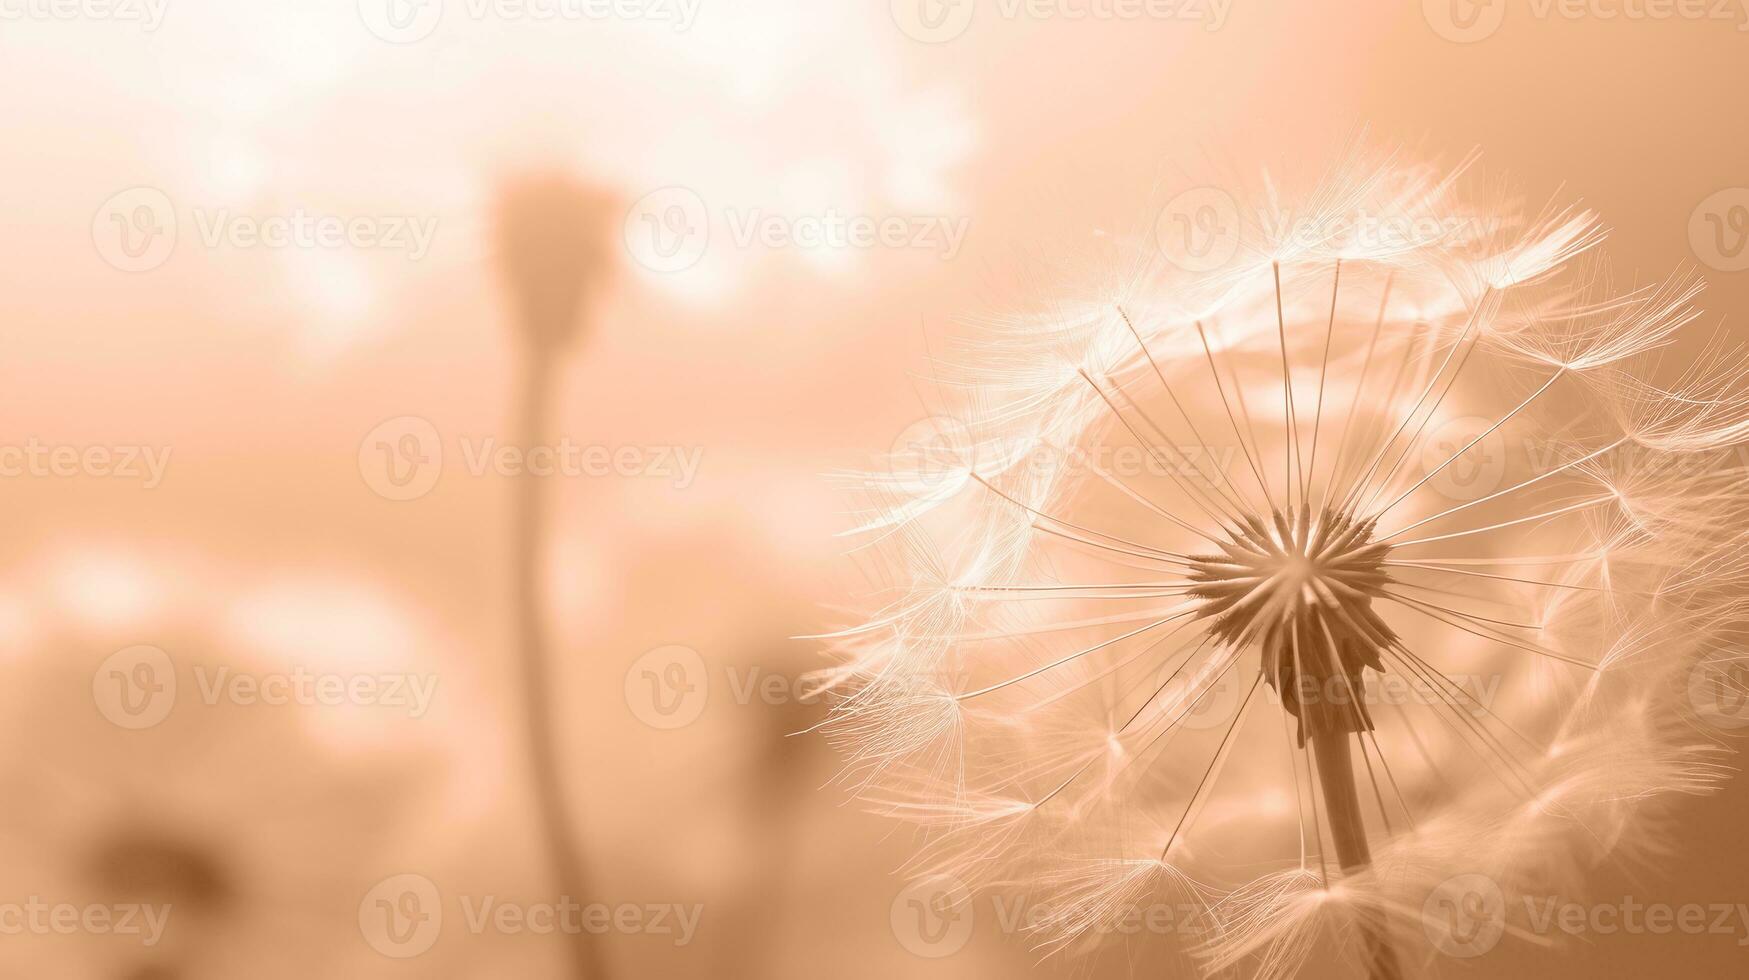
262 370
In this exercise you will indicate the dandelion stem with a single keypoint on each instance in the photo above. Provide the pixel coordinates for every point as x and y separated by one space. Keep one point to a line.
1348 831
528 530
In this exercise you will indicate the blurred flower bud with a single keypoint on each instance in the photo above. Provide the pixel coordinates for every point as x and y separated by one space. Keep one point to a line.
554 246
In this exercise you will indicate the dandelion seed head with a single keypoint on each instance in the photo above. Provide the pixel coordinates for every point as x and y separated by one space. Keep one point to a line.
1212 612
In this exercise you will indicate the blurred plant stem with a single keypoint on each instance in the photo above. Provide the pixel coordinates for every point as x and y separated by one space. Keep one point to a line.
553 244
1348 830
529 534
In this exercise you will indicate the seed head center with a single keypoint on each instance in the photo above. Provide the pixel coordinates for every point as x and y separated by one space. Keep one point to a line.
1301 587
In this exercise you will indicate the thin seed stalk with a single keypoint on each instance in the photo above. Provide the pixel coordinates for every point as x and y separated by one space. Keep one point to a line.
541 732
1348 829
